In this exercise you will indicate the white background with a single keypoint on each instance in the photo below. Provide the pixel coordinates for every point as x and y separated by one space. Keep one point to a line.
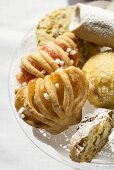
16 151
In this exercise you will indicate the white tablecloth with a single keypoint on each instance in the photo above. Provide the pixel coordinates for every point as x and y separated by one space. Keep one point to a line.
16 151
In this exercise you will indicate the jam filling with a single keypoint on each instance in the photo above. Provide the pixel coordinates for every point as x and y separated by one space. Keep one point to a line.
26 76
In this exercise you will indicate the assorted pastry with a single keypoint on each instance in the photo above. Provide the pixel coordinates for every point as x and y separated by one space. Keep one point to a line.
111 140
71 66
91 135
62 52
100 74
56 23
55 102
93 24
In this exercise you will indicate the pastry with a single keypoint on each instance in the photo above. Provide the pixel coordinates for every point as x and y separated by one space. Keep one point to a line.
62 52
54 24
55 102
91 135
100 74
111 141
93 24
57 23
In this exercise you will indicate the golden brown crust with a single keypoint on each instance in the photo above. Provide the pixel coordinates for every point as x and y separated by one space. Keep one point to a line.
100 74
43 61
53 25
57 23
62 105
91 135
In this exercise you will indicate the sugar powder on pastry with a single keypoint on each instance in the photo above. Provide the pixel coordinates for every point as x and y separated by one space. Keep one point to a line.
100 73
91 135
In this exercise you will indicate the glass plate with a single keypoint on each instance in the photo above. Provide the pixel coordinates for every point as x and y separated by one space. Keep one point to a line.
56 146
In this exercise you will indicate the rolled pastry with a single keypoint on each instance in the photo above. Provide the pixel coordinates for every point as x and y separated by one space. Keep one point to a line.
91 135
93 24
63 52
55 102
57 23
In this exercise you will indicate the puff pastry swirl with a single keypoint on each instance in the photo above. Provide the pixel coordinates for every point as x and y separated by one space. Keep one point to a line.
62 52
55 102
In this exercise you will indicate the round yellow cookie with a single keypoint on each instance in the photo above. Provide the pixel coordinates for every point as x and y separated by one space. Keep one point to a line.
100 74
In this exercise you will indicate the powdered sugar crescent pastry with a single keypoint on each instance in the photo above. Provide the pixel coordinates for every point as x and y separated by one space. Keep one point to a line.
91 135
93 24
55 102
62 52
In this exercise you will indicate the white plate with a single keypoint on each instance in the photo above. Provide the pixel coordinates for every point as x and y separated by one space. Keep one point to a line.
57 146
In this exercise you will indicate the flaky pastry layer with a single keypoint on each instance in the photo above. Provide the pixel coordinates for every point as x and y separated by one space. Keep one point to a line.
55 102
62 52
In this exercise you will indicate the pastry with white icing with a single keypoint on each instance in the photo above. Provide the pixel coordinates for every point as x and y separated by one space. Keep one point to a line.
93 24
91 135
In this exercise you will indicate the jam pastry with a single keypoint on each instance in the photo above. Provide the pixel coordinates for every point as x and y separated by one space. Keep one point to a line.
63 52
57 23
55 102
91 135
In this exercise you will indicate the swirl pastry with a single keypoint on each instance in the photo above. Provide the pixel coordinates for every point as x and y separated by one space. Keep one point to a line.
55 102
62 53
56 23
91 135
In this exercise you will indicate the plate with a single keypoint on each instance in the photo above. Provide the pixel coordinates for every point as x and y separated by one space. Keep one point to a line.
56 146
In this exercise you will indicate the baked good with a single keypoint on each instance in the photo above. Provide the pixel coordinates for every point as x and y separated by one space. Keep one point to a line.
100 74
55 102
91 135
93 24
62 52
111 141
56 23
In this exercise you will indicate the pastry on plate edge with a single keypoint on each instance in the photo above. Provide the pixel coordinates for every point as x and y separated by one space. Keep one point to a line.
90 136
